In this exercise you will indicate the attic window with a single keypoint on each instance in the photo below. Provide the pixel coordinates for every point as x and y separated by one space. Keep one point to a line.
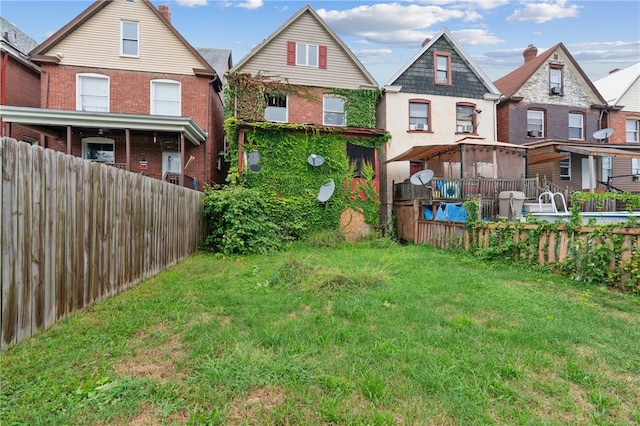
555 81
442 67
129 38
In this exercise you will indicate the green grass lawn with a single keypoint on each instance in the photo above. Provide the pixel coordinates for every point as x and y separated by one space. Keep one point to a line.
369 333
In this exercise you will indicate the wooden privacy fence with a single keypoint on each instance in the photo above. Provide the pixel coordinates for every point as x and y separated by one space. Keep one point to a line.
74 232
550 245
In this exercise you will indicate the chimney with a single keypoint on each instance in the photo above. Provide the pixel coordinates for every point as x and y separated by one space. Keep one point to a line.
164 9
529 53
614 70
426 40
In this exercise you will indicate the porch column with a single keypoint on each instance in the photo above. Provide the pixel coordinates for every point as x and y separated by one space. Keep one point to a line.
240 153
181 159
69 138
127 148
592 176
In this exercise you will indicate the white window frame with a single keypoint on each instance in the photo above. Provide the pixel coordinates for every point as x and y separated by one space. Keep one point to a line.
555 80
123 39
538 131
464 124
98 140
635 169
154 85
80 79
305 55
576 115
416 120
566 164
276 109
633 134
326 111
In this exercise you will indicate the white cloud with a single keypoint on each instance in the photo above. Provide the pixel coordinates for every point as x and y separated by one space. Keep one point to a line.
476 37
192 3
544 12
372 52
247 4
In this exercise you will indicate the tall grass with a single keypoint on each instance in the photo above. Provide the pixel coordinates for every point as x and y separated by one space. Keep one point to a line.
370 333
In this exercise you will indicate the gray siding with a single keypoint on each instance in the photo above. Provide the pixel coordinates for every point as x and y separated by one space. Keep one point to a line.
419 77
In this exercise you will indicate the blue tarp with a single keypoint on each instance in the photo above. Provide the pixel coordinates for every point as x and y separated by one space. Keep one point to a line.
454 212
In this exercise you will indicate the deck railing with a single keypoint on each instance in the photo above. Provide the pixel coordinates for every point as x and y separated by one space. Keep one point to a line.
465 189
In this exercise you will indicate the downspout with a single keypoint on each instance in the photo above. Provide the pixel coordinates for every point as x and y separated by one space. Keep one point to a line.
3 101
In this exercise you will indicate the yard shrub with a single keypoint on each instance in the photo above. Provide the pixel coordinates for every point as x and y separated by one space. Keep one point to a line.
238 222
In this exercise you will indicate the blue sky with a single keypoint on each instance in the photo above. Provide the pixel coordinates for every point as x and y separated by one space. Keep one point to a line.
601 35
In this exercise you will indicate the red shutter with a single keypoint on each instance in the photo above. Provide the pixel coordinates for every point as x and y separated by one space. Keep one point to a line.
291 53
322 57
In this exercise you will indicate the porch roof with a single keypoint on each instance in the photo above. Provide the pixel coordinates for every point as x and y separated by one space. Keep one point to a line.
425 152
598 151
52 122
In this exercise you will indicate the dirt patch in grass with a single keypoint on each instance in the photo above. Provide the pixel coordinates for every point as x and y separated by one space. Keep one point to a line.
256 404
149 415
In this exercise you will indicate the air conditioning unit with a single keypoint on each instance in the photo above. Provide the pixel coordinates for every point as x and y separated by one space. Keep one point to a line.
534 133
421 126
555 90
466 128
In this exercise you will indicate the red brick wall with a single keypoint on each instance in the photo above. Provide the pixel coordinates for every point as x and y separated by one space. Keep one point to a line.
22 85
303 110
618 122
130 92
502 118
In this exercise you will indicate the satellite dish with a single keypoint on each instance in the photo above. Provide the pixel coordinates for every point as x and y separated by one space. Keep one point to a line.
326 191
422 177
603 133
315 160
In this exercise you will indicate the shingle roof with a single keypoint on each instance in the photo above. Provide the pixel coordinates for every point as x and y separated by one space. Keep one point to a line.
220 59
15 37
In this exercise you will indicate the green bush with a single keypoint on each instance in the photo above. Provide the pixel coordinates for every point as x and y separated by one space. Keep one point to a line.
238 222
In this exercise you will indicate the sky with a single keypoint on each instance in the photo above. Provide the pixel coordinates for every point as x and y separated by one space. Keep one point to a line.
385 35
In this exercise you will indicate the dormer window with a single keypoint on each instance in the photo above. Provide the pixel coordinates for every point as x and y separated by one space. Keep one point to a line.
555 81
129 38
442 67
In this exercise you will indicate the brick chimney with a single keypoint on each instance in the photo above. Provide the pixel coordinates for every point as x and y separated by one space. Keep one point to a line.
164 9
426 40
614 70
529 53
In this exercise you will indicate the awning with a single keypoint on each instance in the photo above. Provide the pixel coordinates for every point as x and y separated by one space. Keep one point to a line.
425 152
544 157
53 121
598 151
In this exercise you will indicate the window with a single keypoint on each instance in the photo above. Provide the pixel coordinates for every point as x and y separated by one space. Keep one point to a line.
307 54
92 92
555 81
129 37
333 111
565 167
576 126
165 97
633 130
100 150
635 168
535 123
442 66
464 119
606 168
360 156
419 115
276 109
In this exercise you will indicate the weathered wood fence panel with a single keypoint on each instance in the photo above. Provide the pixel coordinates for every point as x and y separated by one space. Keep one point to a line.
74 232
551 246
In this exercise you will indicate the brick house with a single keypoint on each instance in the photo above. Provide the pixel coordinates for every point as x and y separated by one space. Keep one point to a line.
317 73
121 86
621 90
19 77
551 106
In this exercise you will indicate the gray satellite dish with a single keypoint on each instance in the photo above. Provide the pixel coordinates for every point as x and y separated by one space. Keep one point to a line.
603 133
326 191
315 160
422 177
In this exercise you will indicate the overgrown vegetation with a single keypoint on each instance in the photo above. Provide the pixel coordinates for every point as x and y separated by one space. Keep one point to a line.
589 256
372 333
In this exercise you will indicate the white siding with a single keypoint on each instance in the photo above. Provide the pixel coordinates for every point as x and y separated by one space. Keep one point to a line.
97 43
443 124
341 71
631 98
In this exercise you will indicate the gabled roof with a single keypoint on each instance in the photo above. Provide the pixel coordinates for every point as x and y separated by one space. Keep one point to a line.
614 86
15 37
445 33
39 53
220 59
307 9
510 83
